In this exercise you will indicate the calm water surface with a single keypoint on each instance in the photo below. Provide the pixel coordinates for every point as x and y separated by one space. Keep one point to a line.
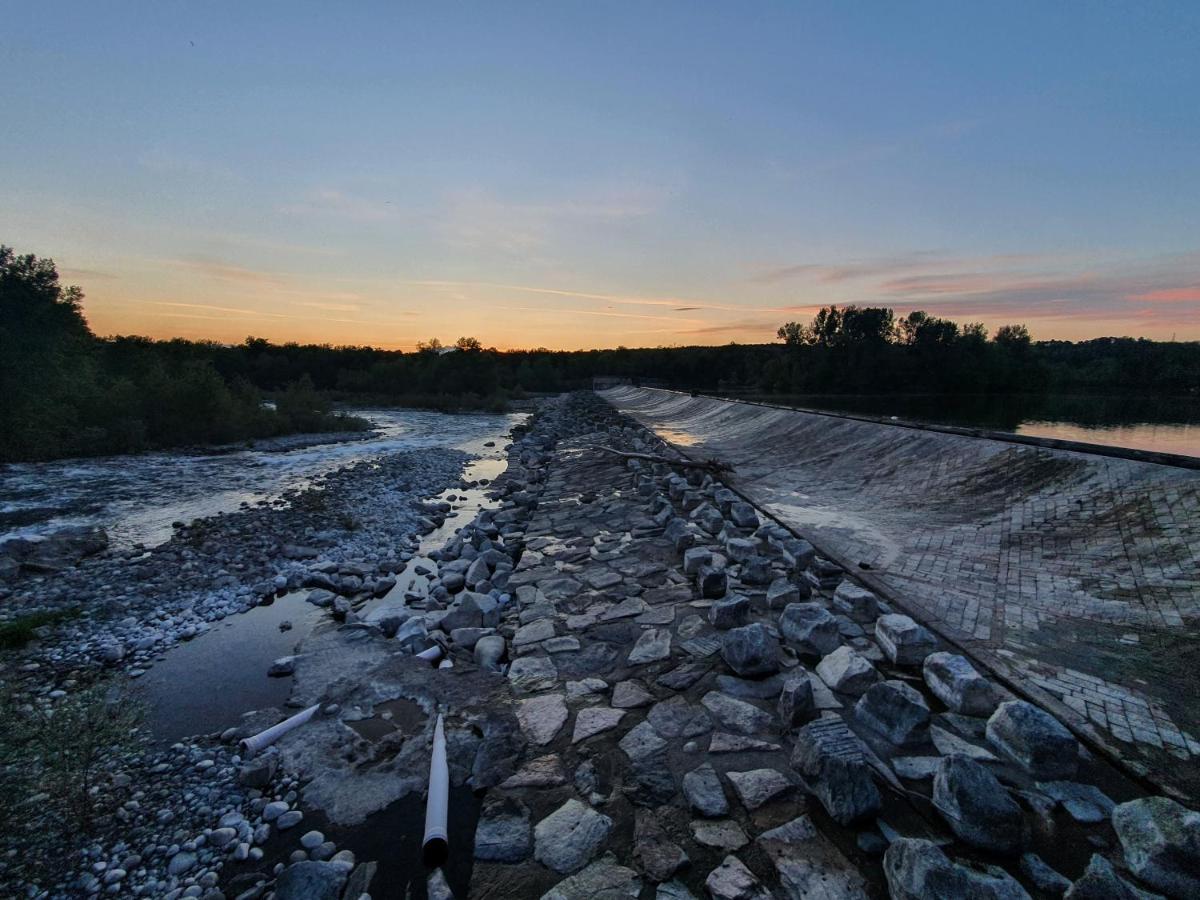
1160 424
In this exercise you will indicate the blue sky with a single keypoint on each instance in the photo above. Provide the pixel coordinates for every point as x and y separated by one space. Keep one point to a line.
593 174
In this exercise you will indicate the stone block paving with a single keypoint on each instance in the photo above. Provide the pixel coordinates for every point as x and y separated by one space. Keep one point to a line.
1080 571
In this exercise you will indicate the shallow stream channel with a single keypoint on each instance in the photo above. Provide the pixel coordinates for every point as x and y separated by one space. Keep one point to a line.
206 684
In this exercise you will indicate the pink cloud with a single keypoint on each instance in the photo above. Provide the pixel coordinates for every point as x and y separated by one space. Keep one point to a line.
1170 295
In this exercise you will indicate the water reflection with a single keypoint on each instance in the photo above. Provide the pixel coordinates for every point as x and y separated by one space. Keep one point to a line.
1160 424
136 498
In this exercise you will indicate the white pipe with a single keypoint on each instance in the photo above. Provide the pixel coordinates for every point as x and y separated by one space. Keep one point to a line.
432 654
252 745
446 664
435 846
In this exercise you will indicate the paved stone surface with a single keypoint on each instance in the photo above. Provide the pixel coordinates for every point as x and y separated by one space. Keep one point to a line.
1078 571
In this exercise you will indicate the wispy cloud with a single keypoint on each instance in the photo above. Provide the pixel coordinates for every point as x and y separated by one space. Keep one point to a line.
224 271
337 203
680 304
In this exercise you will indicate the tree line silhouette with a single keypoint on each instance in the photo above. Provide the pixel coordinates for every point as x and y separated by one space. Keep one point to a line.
65 392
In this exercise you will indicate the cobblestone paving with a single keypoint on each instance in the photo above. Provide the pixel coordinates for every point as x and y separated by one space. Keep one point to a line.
1078 570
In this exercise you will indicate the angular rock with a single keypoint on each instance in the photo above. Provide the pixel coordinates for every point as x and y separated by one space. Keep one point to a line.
781 593
659 856
703 790
896 711
758 786
503 833
542 717
736 715
1046 880
904 641
594 720
859 604
711 581
641 742
810 867
653 645
732 612
677 717
311 881
725 834
1035 739
534 632
529 674
796 702
602 880
831 759
694 558
736 743
917 869
731 880
545 771
847 672
751 651
1100 881
631 695
955 682
742 514
1161 842
976 805
809 629
568 838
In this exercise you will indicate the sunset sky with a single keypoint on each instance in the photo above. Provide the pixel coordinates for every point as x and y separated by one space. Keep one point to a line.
586 174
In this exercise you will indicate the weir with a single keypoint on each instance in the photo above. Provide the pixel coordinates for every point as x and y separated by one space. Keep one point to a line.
1071 574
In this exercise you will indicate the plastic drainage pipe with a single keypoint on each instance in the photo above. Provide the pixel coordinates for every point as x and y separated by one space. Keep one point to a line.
446 664
264 739
435 846
432 654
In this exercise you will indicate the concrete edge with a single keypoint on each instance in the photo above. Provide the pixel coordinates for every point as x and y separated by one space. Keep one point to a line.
1175 460
990 662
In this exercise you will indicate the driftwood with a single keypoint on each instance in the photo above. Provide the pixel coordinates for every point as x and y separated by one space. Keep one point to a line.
715 466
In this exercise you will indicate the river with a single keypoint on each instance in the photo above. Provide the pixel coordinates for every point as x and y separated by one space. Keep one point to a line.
1139 422
137 498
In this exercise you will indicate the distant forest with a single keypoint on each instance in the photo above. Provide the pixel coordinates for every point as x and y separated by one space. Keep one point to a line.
64 391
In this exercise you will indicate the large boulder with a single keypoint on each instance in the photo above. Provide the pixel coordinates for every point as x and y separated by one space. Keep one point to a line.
976 806
896 711
917 869
54 552
809 629
904 641
831 759
1161 840
751 651
955 682
1035 739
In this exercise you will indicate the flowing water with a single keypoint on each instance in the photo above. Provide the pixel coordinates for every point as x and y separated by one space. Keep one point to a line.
1158 424
136 498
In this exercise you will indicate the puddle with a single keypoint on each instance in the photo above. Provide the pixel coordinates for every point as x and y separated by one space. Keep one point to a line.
206 684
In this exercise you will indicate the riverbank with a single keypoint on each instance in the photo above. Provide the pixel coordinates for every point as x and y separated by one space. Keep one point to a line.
653 690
